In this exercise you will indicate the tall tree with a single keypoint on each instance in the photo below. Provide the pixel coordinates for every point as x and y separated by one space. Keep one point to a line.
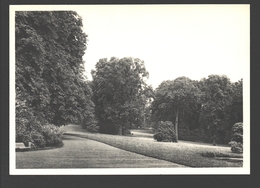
119 89
175 100
236 109
216 99
49 66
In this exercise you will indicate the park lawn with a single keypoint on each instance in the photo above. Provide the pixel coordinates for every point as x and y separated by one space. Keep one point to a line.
181 153
85 153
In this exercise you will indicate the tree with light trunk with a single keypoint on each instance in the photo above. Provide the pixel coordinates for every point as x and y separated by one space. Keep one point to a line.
175 99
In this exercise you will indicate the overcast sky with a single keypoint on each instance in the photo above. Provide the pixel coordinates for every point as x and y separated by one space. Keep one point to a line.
173 40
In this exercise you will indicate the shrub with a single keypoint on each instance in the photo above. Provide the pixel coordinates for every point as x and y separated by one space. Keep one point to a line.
127 132
38 139
93 128
165 132
237 138
29 127
52 135
23 120
236 147
90 125
158 136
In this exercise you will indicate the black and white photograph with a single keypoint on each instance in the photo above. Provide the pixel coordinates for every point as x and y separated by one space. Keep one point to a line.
129 89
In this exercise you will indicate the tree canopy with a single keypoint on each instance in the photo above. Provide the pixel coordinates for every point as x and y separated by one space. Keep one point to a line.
174 100
216 99
49 66
235 110
119 93
211 105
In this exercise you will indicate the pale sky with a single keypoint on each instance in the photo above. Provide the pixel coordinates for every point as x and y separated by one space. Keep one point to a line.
173 40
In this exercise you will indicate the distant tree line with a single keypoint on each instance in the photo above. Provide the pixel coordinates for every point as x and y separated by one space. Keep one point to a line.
210 107
51 87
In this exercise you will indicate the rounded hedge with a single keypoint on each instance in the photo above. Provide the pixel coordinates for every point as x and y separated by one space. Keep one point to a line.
165 132
236 142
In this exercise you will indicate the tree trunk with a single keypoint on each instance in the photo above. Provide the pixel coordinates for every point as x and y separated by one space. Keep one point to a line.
120 130
176 124
214 140
123 131
144 121
214 136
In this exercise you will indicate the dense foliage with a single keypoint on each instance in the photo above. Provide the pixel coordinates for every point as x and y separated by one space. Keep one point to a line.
216 99
49 69
165 132
235 111
175 100
119 93
205 109
30 129
237 138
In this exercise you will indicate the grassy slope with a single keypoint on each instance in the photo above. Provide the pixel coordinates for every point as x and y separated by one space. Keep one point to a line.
85 153
180 153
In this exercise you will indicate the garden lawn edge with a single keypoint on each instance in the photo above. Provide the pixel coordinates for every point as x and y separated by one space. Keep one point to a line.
163 151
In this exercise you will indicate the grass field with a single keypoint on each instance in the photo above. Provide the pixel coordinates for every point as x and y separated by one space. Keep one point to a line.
188 154
84 153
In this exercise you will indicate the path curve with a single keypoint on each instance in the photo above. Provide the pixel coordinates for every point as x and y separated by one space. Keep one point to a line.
84 153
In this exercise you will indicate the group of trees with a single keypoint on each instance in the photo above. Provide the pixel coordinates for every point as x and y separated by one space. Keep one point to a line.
50 83
51 87
122 97
213 104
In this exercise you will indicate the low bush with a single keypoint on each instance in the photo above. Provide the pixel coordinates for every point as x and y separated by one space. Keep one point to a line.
158 136
127 132
236 147
237 138
37 139
90 125
165 132
52 135
30 129
43 136
27 127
